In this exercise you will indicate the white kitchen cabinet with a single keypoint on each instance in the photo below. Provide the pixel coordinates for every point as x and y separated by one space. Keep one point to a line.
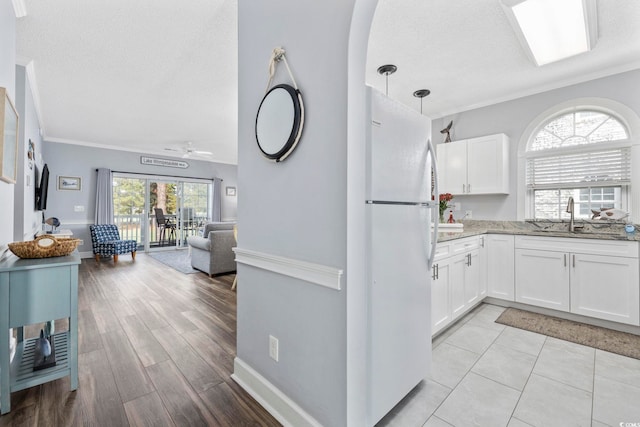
474 166
440 295
596 278
456 280
605 287
500 266
482 265
542 278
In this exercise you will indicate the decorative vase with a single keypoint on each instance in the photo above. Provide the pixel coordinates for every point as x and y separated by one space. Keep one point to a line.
441 217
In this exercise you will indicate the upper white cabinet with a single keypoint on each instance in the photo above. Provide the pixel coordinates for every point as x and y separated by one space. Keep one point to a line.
474 166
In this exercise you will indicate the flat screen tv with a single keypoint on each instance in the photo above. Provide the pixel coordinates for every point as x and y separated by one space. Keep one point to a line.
43 189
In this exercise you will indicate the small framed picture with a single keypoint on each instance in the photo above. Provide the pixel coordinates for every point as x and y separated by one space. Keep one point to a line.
231 191
69 183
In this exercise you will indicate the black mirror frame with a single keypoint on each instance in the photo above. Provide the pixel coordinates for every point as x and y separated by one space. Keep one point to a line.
296 130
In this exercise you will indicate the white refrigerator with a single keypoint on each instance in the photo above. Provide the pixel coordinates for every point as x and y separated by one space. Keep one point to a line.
400 249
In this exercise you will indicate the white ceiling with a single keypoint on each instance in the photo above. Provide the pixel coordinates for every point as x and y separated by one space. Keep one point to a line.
152 74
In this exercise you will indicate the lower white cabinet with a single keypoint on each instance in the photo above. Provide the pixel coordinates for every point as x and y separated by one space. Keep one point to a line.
589 277
441 315
605 287
457 281
500 266
542 278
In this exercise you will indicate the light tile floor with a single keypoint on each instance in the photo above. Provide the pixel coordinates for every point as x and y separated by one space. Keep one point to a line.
487 374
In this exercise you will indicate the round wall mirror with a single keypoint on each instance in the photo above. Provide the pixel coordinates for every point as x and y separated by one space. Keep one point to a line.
279 122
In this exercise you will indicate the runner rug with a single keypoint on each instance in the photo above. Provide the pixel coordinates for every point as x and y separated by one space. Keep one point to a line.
593 336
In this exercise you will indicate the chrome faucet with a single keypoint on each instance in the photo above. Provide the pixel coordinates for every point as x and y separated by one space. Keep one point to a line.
570 209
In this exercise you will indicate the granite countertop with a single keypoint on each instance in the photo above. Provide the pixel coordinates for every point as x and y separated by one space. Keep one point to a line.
592 230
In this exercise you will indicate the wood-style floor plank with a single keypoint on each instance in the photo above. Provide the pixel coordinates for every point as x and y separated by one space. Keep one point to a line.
184 404
148 411
128 372
156 347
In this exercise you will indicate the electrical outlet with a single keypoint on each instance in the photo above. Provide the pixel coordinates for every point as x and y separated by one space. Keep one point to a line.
78 208
81 242
457 206
273 347
467 215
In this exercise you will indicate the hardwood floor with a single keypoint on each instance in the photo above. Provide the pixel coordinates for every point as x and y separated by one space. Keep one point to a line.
156 348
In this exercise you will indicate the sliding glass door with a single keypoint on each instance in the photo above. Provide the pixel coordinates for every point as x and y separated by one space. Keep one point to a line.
160 212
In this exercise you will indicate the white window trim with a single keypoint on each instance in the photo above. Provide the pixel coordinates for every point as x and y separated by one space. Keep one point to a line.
627 117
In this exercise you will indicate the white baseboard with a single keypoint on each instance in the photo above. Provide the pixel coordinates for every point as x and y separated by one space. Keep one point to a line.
278 404
86 254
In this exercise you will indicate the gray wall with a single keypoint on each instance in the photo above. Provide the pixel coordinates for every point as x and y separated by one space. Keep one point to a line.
82 161
7 80
513 117
26 219
297 208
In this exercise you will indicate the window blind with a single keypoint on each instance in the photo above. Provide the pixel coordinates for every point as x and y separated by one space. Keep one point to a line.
588 169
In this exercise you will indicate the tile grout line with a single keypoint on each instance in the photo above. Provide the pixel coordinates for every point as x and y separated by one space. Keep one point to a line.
527 382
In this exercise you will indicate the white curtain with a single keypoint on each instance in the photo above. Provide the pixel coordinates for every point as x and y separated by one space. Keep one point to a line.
104 197
216 207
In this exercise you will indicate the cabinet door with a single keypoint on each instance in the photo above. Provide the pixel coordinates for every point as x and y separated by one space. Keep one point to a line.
542 278
452 167
482 260
605 287
487 167
458 266
500 266
440 298
472 279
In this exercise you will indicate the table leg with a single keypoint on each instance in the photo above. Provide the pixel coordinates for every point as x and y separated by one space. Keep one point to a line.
5 384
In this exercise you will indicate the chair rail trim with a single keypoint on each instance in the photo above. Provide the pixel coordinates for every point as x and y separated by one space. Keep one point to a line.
318 274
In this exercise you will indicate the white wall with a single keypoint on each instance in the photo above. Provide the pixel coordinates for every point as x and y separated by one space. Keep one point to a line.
26 218
297 208
82 161
7 80
513 117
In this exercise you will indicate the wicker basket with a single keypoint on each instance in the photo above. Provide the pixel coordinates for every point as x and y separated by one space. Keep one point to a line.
44 246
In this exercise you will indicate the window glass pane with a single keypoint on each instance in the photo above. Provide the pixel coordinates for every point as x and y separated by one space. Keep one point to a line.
587 121
611 130
581 127
545 140
552 204
562 126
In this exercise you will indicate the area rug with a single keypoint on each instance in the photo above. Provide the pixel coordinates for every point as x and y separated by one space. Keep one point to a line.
605 339
178 260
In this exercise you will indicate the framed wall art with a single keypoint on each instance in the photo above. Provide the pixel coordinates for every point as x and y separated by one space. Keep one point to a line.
69 183
8 138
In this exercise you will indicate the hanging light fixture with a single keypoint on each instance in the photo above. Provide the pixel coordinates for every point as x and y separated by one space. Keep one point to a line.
386 70
421 93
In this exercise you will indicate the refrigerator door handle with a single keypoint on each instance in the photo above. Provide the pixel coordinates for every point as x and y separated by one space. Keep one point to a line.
434 167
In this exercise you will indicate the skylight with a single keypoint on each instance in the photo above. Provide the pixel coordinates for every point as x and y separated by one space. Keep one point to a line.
551 30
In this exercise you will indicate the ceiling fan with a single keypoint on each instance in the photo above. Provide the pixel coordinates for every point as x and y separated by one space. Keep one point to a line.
187 150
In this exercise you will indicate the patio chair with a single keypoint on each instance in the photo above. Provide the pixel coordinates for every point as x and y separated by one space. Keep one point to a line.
164 224
106 241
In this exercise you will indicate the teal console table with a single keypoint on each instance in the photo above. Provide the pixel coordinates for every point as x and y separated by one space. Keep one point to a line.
35 291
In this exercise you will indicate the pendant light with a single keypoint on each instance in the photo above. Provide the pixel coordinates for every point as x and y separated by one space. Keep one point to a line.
421 93
386 70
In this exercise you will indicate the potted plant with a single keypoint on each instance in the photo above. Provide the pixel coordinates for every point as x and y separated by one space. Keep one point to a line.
445 198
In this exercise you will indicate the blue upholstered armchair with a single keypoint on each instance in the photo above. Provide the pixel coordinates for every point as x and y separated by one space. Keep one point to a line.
105 239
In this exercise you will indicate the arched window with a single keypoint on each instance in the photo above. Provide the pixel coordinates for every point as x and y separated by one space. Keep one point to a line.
584 154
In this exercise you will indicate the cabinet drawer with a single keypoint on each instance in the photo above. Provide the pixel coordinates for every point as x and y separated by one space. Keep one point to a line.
576 245
39 295
443 250
465 245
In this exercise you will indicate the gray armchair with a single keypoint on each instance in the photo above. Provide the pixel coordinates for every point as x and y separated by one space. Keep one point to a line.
212 253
